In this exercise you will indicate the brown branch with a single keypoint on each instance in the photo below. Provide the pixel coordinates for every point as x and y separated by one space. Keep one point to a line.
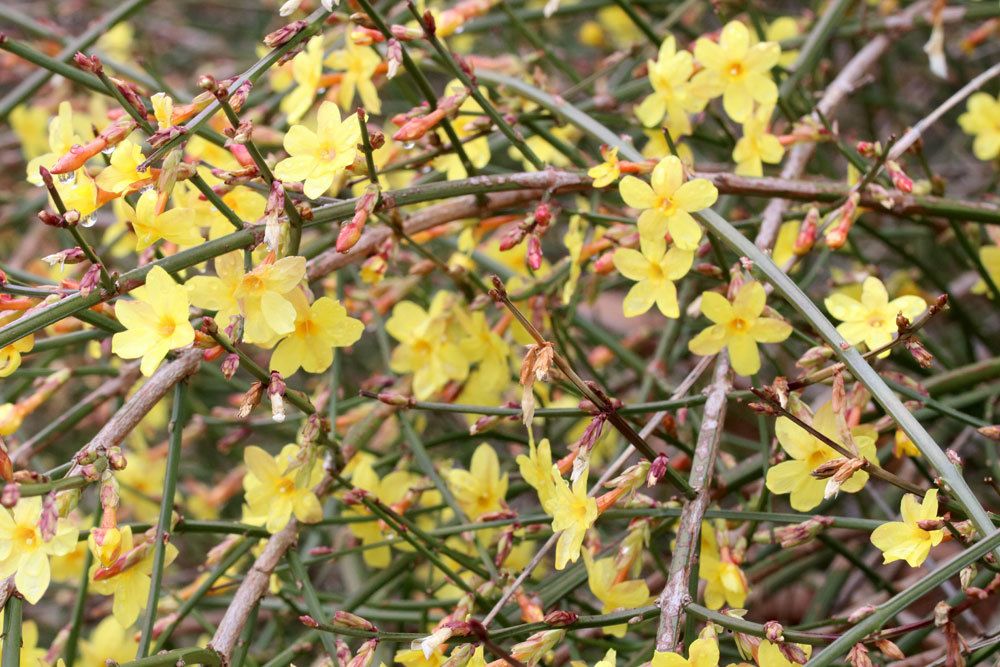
118 386
138 406
838 90
251 590
466 206
674 596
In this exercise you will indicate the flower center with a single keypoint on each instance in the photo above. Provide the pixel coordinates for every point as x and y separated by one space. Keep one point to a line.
735 70
253 283
27 536
285 486
655 272
166 327
738 324
422 347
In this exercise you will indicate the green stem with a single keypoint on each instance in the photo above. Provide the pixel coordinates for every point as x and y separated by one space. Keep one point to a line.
12 631
313 604
176 428
901 601
857 365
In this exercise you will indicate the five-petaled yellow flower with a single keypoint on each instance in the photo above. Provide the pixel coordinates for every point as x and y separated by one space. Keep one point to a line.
481 489
425 349
704 652
655 269
536 470
668 202
808 452
319 328
128 578
175 225
317 158
737 70
673 96
25 551
390 490
613 592
155 322
757 145
359 64
906 539
279 486
608 171
738 326
307 70
982 120
872 320
573 513
121 174
725 582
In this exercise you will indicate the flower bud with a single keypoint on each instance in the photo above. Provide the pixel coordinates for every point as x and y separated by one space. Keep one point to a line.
230 365
394 58
889 649
534 256
807 233
346 619
90 280
657 469
858 656
561 617
10 495
992 432
365 654
899 178
250 400
860 613
276 394
284 34
87 63
773 631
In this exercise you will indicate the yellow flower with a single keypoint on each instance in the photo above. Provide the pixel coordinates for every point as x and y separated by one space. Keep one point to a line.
31 654
757 145
903 446
608 171
990 257
317 158
391 489
155 322
536 470
358 64
667 204
307 70
319 328
673 96
174 225
780 29
738 326
573 239
415 657
10 355
784 246
129 580
770 655
906 540
481 489
982 120
808 453
262 295
602 577
425 348
61 139
484 346
704 652
725 582
466 124
119 176
108 641
737 70
163 110
277 487
247 204
872 320
573 513
28 123
654 269
25 552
